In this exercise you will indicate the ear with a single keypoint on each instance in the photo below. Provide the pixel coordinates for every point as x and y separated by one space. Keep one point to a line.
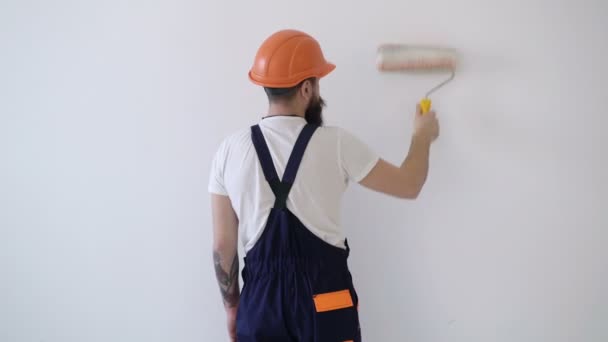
307 90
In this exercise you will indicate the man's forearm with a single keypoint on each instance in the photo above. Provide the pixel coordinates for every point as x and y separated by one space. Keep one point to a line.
227 274
416 164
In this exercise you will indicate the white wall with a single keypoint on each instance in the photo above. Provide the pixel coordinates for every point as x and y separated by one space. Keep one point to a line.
110 112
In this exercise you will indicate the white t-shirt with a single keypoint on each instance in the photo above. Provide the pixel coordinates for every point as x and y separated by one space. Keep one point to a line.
332 159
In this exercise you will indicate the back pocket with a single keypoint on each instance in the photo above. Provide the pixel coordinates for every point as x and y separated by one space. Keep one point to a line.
336 316
333 301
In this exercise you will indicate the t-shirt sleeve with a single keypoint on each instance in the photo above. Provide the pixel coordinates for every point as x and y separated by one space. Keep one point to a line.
216 175
357 158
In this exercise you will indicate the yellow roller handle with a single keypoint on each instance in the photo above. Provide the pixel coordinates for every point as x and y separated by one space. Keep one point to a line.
425 105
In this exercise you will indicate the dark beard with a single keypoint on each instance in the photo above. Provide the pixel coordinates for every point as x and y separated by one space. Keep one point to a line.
314 112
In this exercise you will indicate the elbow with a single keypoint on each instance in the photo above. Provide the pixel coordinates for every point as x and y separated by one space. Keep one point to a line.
411 191
222 246
409 195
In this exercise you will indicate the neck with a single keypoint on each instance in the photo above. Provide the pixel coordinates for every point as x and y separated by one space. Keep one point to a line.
276 109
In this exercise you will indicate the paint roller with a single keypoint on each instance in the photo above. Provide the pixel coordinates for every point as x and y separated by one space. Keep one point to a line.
418 58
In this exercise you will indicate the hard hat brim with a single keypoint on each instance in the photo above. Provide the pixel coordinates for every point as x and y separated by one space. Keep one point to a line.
293 81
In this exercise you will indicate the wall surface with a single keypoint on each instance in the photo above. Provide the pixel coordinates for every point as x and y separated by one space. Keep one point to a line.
110 112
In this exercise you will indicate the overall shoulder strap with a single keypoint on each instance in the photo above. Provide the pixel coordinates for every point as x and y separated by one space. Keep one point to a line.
263 153
281 188
297 154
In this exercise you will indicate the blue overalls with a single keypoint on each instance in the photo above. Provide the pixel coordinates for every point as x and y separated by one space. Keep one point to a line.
297 287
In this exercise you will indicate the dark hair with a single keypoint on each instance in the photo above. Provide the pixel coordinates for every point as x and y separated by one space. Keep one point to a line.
284 94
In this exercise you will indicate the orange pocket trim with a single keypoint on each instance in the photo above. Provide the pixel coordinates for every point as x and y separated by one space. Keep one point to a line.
333 301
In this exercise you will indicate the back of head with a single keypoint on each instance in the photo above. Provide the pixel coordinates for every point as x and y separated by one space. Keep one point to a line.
284 63
285 94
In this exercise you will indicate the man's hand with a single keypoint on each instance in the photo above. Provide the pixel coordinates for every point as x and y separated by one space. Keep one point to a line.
426 126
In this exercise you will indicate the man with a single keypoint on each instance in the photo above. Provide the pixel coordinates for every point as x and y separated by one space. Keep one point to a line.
281 182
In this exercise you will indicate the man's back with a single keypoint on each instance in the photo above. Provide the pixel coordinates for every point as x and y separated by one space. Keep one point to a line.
332 159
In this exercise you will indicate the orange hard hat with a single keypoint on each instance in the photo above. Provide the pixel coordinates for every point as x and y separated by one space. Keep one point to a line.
287 58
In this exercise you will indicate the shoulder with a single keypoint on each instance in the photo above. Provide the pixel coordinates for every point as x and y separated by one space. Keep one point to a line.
237 138
234 141
338 134
330 132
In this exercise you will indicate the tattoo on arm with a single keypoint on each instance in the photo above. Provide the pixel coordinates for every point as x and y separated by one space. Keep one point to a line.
228 281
